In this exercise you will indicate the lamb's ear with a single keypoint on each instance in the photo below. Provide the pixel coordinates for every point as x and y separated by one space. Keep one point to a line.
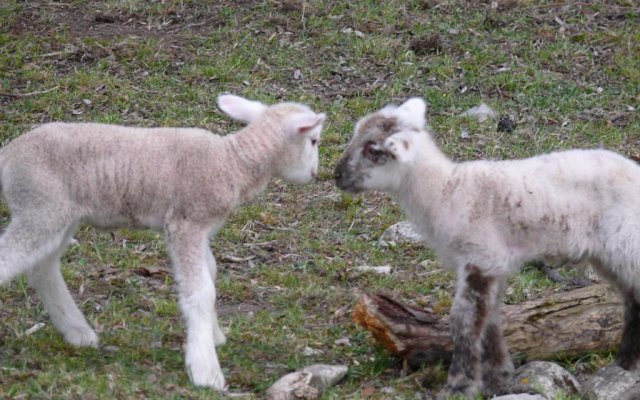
400 146
239 108
414 111
303 123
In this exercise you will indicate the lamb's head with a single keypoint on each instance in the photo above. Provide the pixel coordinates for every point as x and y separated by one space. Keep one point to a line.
299 128
383 145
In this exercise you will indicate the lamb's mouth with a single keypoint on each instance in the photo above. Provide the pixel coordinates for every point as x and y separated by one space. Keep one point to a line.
347 185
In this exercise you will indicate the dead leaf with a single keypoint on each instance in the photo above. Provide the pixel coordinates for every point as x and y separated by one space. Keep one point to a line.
153 271
368 390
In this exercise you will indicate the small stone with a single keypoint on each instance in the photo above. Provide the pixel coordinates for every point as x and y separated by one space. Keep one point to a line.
324 376
401 232
506 124
240 395
612 382
520 396
546 378
481 112
307 383
345 341
309 351
295 385
382 270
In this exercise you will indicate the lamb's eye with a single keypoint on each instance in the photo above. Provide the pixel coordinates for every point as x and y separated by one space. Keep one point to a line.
314 142
372 151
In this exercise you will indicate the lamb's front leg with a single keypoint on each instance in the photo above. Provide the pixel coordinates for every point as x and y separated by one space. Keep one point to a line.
218 336
629 353
189 250
470 314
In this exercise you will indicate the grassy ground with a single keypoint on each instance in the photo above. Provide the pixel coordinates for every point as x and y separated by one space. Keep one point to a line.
567 72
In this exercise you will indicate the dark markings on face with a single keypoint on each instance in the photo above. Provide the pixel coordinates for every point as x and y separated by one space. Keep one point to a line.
377 128
372 152
367 142
371 135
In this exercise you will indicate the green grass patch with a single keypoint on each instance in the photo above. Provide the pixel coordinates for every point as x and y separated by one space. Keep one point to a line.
163 63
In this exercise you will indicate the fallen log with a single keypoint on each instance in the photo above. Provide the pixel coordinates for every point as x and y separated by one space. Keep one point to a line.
562 324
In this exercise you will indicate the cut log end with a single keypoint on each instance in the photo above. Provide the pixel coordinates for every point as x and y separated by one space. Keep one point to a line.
365 314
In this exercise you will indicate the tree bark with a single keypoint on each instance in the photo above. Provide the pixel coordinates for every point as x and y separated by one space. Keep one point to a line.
562 324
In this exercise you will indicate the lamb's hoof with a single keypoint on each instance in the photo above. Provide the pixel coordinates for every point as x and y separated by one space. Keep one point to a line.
211 379
497 383
205 371
82 338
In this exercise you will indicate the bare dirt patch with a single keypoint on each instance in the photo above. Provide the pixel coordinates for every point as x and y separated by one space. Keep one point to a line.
96 21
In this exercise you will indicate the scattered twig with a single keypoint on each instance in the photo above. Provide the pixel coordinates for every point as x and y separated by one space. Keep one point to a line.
21 95
4 94
237 260
269 243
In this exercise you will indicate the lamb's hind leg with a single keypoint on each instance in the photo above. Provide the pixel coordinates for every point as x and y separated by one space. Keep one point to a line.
31 237
46 279
470 314
497 366
629 354
32 244
188 246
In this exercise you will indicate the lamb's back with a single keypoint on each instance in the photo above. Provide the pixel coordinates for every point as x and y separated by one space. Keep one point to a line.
119 171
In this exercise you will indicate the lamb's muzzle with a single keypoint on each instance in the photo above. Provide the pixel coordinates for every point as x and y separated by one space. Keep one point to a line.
342 176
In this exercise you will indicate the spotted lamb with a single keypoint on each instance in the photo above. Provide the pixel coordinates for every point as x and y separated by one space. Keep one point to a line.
485 219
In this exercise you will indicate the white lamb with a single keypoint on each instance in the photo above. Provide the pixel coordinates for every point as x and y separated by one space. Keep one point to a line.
183 182
485 219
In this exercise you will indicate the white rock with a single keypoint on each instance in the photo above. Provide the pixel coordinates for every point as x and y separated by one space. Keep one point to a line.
383 269
401 232
307 383
612 382
520 396
324 375
296 385
481 112
345 341
309 351
546 378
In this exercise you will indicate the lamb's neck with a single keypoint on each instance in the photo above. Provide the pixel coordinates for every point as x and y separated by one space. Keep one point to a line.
421 192
251 152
